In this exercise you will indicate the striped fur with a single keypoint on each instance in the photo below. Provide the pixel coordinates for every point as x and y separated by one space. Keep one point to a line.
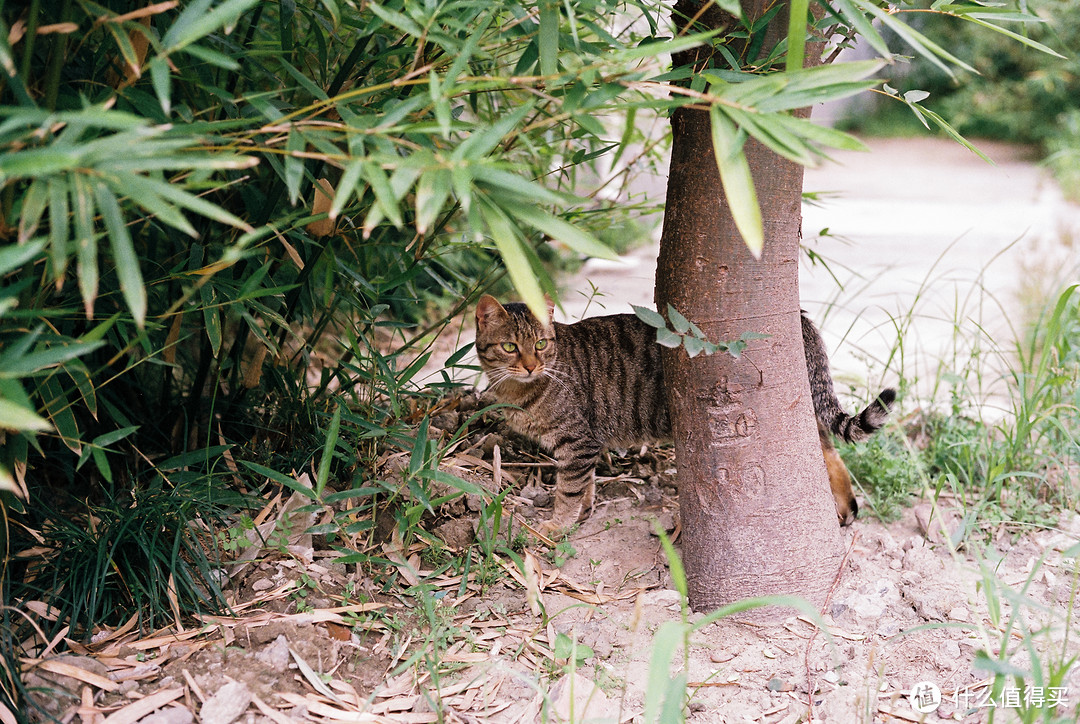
598 383
849 428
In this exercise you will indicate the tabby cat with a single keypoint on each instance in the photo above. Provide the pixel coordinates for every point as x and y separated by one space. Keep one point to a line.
578 388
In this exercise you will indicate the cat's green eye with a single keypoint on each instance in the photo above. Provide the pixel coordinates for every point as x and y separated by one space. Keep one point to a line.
541 343
509 346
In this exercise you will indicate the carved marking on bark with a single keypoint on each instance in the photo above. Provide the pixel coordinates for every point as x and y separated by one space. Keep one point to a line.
732 424
710 497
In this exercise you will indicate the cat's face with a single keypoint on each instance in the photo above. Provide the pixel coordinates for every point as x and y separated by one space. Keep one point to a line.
511 343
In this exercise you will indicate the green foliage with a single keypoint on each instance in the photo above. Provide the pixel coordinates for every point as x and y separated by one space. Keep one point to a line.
1019 93
227 218
887 471
1018 466
123 557
688 335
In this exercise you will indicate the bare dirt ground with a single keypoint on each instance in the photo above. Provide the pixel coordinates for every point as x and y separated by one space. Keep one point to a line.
569 634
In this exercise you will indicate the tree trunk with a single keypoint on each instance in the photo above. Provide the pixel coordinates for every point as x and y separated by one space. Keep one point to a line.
757 515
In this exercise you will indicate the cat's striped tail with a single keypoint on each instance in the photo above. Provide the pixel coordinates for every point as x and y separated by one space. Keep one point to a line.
827 409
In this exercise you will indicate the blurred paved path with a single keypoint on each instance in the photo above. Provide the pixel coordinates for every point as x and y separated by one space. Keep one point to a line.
916 226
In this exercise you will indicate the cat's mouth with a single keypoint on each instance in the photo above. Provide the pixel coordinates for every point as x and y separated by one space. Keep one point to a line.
524 375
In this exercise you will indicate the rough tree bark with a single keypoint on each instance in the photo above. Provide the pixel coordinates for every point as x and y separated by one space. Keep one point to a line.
757 515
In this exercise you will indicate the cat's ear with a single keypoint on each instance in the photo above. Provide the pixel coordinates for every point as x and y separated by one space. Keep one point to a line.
550 308
488 310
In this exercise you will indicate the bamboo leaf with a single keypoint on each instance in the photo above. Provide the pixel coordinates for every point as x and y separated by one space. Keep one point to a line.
1016 36
146 196
332 8
201 18
577 239
213 57
59 411
918 42
399 20
386 200
796 49
652 49
766 129
80 375
548 37
280 479
328 453
161 80
432 190
33 208
345 188
820 135
506 181
15 363
13 257
37 162
59 229
737 182
14 416
123 251
294 165
191 202
863 27
952 132
481 143
85 243
513 254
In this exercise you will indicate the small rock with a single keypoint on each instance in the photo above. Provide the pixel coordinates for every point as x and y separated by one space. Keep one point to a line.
583 698
226 705
832 677
262 584
662 597
958 614
778 684
930 522
170 715
871 602
276 654
950 652
721 656
457 533
602 648
666 519
488 444
887 628
923 560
